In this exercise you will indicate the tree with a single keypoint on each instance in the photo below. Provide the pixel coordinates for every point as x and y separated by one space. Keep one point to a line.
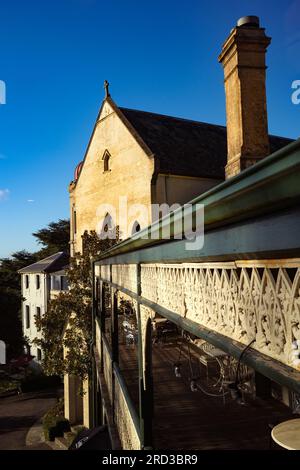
55 237
68 320
10 300
9 277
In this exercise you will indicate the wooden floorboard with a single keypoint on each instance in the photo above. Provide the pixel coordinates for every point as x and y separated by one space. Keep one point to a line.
187 420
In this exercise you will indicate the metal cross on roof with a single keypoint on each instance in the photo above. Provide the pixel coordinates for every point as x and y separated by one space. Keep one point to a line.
106 85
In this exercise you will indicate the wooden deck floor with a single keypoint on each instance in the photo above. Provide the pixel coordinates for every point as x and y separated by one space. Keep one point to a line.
187 420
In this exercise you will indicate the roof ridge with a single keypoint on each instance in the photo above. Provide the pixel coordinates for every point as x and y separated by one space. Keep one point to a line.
281 137
193 121
56 255
172 117
55 259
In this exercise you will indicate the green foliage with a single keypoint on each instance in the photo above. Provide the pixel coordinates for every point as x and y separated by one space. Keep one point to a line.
126 307
9 277
54 422
10 300
7 385
67 324
54 238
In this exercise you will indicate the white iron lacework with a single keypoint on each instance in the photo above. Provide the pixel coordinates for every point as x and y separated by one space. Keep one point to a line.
105 272
125 275
242 302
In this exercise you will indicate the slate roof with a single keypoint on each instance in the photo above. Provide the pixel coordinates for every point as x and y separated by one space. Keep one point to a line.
185 147
60 272
50 264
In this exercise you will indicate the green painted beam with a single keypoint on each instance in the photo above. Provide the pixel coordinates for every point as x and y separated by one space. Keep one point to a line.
272 236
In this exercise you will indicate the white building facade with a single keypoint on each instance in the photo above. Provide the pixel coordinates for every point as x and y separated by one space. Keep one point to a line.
40 282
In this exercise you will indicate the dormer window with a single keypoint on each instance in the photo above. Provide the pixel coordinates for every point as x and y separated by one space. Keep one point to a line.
106 158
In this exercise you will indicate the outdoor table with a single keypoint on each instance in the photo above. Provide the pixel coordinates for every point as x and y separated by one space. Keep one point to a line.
287 434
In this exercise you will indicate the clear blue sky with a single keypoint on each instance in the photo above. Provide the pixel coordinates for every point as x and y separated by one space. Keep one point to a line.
158 55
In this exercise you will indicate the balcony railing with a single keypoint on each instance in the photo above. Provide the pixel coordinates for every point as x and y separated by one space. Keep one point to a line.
242 287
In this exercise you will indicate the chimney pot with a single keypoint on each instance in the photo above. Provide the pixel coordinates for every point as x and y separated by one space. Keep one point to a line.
248 21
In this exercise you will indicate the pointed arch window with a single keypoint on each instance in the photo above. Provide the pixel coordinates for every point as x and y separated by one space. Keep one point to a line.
135 228
106 161
108 224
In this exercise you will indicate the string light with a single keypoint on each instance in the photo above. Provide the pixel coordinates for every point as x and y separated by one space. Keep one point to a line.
177 370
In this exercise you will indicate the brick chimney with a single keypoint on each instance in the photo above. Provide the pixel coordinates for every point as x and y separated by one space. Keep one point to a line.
243 60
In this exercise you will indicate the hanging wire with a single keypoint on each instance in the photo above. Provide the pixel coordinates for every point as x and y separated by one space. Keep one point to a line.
177 364
196 379
193 380
237 377
190 360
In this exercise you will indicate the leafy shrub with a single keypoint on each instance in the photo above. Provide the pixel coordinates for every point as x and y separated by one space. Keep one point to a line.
8 385
54 422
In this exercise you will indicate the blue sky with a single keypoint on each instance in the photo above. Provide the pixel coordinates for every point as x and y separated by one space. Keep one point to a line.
158 55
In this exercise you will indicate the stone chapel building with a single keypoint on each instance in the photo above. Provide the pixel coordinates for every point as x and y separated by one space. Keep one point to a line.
148 158
151 158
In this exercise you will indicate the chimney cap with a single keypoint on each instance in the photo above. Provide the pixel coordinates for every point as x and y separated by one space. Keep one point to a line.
249 21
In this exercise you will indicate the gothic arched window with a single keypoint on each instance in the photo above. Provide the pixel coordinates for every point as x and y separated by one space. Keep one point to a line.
135 228
106 158
108 224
